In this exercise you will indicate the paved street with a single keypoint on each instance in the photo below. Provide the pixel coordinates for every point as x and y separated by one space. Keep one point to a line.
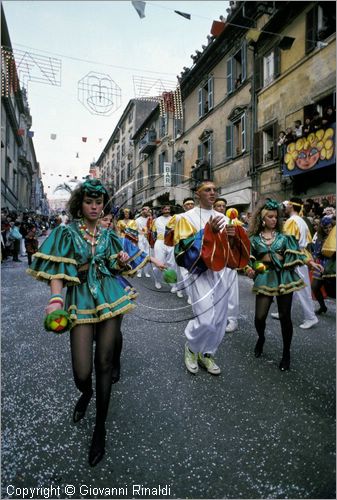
252 432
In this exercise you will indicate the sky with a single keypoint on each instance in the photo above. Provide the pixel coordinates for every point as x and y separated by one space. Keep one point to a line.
106 39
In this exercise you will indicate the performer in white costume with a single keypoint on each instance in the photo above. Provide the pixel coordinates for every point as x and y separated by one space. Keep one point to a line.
205 244
230 276
143 244
160 248
296 226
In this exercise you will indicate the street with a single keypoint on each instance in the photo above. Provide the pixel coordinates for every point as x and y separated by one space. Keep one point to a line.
252 432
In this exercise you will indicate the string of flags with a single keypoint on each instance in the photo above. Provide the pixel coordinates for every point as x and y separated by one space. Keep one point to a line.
139 6
30 133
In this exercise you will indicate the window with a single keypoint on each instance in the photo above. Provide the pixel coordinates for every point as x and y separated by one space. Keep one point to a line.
178 170
163 125
123 172
130 117
236 137
123 148
236 69
151 167
265 144
320 24
140 179
130 170
267 68
178 127
162 160
205 151
206 97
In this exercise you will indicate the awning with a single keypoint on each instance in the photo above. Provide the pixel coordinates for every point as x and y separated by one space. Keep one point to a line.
241 197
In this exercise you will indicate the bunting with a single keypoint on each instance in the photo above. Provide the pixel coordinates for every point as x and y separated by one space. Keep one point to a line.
21 131
183 14
139 5
30 134
53 136
84 139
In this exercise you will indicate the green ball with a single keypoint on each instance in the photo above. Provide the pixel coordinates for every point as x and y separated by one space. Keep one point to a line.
170 276
60 315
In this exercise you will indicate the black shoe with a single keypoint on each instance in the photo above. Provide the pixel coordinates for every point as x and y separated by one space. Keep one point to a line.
285 363
321 310
259 347
97 448
81 406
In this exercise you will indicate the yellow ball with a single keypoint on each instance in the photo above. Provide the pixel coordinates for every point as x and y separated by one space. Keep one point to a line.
58 324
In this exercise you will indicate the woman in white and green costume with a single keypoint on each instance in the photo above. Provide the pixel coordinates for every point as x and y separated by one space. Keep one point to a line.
91 263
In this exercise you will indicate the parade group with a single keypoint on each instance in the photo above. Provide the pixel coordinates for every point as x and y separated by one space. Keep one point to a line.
287 248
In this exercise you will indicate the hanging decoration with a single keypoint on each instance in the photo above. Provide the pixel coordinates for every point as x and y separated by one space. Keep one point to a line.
99 93
53 136
139 5
171 102
9 74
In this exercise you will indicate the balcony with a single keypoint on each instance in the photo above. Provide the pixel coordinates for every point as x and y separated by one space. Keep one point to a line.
148 143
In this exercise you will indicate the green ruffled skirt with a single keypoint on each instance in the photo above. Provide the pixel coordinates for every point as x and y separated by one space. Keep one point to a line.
115 296
277 282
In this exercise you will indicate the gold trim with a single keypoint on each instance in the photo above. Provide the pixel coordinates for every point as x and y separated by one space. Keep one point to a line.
134 256
281 289
53 258
106 305
105 316
42 276
140 266
294 263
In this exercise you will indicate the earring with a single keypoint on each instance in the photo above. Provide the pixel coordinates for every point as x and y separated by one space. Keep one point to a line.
263 223
102 213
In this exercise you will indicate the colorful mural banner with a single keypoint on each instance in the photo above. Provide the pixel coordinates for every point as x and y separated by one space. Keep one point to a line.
311 152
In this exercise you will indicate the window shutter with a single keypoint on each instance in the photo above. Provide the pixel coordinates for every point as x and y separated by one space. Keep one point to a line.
243 62
229 141
258 75
210 151
243 132
310 31
161 163
258 148
201 103
275 140
229 76
277 61
200 152
210 92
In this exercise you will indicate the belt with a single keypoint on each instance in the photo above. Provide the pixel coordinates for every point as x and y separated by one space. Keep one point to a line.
83 275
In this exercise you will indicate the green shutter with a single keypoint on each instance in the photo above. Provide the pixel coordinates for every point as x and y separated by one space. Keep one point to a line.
229 141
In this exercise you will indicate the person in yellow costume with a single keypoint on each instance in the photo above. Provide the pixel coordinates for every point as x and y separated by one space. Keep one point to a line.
126 226
296 226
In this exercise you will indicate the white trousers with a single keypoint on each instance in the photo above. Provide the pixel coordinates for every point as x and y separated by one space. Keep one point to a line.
209 296
143 245
166 255
304 295
231 280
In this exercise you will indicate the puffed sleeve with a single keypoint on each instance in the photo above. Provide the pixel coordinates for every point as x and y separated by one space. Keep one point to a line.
293 256
55 258
188 246
137 258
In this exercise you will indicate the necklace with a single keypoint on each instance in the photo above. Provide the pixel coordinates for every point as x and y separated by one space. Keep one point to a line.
92 238
266 239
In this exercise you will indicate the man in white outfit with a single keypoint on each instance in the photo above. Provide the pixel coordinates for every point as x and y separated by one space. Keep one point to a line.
143 244
296 226
207 290
230 276
162 251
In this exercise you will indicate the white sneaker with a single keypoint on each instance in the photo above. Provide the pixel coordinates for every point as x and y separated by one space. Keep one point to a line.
207 362
174 289
190 360
157 285
139 275
147 275
180 294
275 315
308 323
232 326
189 301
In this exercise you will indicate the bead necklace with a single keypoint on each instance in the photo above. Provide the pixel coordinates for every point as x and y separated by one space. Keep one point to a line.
272 237
85 233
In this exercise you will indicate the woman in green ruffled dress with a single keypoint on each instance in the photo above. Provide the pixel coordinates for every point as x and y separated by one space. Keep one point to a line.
274 257
91 263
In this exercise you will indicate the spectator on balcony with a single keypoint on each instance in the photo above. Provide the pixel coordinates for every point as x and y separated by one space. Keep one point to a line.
282 143
329 117
290 136
306 127
298 129
316 122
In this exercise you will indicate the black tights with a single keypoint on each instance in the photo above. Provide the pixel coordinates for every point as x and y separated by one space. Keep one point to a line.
262 305
316 286
107 360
